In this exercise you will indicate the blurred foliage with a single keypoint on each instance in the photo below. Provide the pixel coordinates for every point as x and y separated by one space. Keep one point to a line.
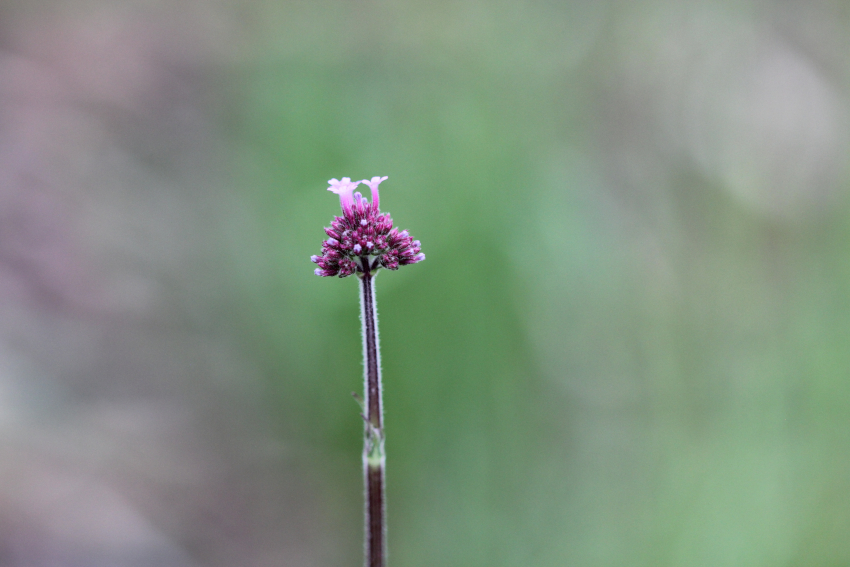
591 368
628 344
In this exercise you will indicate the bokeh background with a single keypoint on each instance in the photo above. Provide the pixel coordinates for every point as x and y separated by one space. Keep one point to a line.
629 344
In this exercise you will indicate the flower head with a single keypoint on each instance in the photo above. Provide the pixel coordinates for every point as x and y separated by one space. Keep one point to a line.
363 239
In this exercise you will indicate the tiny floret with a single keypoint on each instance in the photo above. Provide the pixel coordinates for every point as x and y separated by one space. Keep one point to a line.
344 189
373 187
363 239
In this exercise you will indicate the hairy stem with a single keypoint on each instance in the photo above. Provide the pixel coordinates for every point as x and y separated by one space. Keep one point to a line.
374 460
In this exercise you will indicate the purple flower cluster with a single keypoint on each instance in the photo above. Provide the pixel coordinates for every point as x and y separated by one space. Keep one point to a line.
363 239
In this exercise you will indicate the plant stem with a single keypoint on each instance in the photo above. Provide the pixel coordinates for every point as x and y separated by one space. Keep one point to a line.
374 459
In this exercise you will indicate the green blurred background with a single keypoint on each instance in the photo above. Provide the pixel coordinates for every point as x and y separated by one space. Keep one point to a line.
628 346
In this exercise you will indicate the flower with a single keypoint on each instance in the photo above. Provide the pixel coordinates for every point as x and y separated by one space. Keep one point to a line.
373 187
363 239
344 189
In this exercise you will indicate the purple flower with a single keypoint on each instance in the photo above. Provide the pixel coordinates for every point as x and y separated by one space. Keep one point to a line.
363 239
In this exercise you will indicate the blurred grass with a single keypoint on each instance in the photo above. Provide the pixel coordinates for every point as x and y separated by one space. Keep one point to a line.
621 350
581 373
